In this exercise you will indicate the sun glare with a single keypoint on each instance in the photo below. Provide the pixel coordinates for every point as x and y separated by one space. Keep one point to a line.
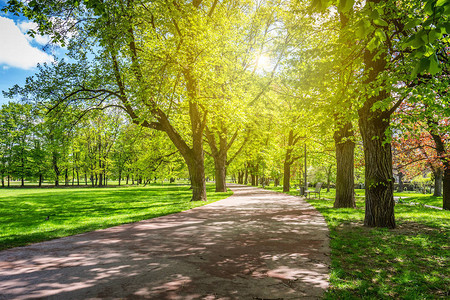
263 63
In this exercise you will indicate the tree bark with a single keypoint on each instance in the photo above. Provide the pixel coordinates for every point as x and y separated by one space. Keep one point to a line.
345 147
373 124
221 174
55 167
446 190
198 182
441 152
438 177
288 162
401 186
219 154
286 175
241 177
246 174
66 177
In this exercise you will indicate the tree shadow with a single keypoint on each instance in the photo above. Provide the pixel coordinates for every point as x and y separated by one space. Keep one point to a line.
247 247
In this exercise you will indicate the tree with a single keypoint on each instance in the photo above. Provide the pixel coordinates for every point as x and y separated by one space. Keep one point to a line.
170 65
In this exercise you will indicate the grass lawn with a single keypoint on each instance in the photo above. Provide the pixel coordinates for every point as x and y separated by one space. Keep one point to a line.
409 262
23 211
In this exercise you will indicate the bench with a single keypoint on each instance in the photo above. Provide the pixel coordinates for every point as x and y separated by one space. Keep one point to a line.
315 191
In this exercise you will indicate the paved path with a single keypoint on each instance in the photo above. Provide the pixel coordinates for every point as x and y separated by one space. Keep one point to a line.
254 245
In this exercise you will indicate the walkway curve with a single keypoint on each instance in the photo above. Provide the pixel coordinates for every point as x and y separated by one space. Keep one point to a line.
255 244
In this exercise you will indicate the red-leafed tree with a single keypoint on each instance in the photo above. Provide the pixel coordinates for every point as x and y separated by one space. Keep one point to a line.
414 153
426 117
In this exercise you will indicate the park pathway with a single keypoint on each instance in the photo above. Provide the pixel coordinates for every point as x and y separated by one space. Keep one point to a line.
255 244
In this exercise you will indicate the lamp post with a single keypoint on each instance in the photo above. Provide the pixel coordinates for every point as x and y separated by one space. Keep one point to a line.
306 177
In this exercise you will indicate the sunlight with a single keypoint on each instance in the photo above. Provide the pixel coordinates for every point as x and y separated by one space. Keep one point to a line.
263 63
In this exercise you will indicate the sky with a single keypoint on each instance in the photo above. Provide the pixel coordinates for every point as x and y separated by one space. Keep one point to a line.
19 53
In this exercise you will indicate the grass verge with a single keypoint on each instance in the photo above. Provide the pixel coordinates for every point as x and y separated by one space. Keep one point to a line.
409 262
23 212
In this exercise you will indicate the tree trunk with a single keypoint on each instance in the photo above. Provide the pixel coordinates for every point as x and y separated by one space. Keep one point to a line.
276 182
40 179
446 189
219 153
55 167
345 147
286 175
240 177
328 181
221 174
246 175
66 177
401 186
197 174
437 182
441 152
22 175
373 124
379 180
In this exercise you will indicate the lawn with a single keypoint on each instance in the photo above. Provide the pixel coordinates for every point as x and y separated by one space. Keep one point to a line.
409 262
23 211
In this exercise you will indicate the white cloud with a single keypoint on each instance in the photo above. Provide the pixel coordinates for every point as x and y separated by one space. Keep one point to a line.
25 26
15 49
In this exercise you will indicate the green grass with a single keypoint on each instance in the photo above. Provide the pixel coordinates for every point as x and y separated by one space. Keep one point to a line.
75 210
409 262
414 197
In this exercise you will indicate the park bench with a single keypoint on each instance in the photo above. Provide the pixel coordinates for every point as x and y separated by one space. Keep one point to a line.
315 191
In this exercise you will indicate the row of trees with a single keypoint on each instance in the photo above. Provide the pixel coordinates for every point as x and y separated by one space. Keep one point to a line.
191 70
100 146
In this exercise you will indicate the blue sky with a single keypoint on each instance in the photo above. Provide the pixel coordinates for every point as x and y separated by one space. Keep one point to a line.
19 53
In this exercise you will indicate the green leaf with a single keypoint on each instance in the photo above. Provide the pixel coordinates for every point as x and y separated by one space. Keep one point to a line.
381 34
374 15
434 65
345 5
360 30
380 22
447 27
429 50
373 44
417 41
411 24
429 7
424 65
441 2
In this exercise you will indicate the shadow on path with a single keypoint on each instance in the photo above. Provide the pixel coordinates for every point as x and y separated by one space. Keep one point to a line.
255 244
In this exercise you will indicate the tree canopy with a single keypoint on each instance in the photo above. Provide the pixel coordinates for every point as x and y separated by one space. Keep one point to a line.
152 86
